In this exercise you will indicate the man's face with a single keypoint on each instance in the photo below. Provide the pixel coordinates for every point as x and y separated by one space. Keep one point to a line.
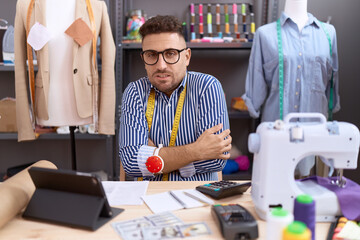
166 77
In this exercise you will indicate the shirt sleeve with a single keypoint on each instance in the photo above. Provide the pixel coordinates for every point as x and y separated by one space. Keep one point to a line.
144 153
255 85
133 134
107 90
188 170
23 120
212 111
335 70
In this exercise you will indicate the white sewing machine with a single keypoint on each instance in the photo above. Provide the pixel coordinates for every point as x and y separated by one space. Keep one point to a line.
279 146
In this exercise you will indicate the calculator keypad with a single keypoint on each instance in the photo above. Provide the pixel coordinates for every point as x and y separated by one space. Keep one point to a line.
223 188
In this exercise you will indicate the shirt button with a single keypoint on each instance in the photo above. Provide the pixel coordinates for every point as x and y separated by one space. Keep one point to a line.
300 53
297 93
169 105
299 66
169 131
298 80
75 70
295 106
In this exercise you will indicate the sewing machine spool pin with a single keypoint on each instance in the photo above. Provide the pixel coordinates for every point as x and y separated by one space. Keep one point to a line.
296 134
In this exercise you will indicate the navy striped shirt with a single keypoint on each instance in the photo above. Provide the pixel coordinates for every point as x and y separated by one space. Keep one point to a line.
204 107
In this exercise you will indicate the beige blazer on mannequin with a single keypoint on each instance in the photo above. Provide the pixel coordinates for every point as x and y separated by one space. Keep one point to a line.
82 69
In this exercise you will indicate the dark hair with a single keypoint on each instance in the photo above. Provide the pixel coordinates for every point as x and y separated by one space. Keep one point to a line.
161 24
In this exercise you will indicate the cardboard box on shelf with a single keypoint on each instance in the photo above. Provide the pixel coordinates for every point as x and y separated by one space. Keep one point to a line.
8 115
238 103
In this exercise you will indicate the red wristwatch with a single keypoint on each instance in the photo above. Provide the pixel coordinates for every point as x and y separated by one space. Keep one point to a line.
155 164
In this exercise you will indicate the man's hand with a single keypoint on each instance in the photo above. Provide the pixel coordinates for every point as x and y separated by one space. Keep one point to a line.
207 147
211 145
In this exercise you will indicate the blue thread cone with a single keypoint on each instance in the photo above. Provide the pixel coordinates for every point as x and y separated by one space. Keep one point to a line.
304 211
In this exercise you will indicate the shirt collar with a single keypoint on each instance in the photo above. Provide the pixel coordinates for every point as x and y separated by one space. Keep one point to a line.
311 19
184 81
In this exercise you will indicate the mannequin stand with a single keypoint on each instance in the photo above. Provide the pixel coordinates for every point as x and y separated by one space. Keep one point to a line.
73 148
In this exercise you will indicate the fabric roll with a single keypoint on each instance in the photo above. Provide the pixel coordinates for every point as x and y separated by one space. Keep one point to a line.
15 192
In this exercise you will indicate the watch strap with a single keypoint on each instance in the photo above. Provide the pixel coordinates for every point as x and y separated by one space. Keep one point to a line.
157 150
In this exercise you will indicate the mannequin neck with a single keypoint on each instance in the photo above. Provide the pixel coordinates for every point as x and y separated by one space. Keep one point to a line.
297 11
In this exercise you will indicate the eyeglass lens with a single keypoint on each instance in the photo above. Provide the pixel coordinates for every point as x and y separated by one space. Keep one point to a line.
170 56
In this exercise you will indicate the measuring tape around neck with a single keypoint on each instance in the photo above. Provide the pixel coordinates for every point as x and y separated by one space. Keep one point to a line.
281 68
149 118
281 71
30 53
331 100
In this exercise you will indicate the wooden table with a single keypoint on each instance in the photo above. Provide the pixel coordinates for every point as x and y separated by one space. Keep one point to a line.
20 228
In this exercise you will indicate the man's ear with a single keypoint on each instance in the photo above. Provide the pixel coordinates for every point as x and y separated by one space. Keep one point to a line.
188 56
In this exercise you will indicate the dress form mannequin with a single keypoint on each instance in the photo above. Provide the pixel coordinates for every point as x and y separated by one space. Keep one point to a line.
310 70
59 95
297 11
62 106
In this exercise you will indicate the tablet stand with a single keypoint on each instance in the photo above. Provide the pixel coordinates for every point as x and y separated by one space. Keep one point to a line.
72 209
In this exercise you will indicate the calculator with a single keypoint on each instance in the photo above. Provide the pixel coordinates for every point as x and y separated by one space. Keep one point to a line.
222 189
235 221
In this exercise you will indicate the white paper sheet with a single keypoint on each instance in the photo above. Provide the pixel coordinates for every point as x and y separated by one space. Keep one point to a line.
38 36
185 200
198 196
125 193
161 202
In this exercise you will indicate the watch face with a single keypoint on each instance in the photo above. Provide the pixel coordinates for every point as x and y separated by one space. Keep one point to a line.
154 164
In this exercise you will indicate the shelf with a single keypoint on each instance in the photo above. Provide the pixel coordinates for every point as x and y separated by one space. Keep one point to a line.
55 136
240 175
134 46
10 68
234 114
220 46
6 67
214 46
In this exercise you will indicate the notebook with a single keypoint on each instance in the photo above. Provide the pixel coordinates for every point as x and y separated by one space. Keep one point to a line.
176 200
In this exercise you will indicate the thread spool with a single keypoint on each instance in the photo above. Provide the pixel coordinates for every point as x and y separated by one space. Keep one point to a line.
277 220
297 133
304 211
296 231
185 31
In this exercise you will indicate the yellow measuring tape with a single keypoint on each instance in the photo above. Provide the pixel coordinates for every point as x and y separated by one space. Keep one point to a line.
30 58
94 86
30 54
93 29
149 117
150 108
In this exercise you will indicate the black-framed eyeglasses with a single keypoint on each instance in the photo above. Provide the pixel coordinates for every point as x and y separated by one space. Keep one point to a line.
170 56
